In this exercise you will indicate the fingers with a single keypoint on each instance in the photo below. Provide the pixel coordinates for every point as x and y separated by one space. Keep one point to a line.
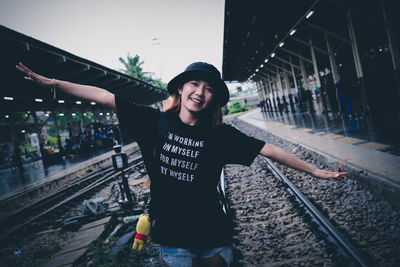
22 68
19 68
330 175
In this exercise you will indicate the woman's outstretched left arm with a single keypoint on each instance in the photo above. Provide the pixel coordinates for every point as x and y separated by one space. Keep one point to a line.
277 154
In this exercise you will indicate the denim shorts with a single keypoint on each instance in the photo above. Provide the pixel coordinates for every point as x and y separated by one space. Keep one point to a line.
180 257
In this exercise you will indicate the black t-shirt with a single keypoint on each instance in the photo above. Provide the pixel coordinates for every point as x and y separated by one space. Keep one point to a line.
184 165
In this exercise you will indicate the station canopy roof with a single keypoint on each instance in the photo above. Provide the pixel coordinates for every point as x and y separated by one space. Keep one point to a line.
255 29
54 62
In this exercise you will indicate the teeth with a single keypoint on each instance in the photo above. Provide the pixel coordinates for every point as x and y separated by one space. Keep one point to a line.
195 100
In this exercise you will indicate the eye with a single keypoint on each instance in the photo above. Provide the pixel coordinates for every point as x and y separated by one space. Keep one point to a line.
210 89
195 83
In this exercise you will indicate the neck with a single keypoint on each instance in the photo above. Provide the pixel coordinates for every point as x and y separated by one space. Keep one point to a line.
188 118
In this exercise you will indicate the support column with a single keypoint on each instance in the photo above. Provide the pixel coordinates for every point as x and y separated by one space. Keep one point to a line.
317 78
258 87
261 95
71 125
298 92
16 157
394 48
306 86
38 130
289 88
357 61
335 73
304 74
280 86
84 121
271 85
60 147
266 94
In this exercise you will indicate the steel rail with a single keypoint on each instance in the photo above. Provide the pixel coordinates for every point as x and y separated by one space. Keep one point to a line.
135 162
345 245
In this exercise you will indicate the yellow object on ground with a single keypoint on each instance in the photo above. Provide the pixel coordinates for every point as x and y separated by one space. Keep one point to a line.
142 232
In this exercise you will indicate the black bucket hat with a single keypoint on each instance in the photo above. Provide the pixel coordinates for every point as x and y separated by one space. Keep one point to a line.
205 72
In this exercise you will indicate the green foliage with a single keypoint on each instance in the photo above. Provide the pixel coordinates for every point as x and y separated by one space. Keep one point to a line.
51 141
133 67
238 107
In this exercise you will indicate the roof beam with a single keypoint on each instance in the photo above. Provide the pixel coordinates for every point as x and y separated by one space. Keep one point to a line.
287 62
309 45
337 36
296 54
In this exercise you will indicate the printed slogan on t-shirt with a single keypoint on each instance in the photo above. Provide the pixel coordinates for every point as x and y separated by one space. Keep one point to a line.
179 157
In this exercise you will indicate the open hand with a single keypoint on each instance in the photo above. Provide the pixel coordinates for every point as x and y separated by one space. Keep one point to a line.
34 77
327 174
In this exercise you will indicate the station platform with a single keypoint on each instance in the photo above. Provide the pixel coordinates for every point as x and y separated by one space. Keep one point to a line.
36 180
12 180
373 163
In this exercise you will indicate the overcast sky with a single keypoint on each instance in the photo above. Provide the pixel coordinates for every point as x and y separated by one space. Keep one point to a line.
104 30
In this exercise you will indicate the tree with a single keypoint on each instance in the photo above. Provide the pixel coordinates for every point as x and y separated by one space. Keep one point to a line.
133 67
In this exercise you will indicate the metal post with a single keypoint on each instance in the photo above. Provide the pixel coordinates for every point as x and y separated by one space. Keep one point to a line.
314 61
60 147
303 74
280 85
260 97
306 85
84 121
126 188
270 83
335 73
38 130
294 78
267 94
332 60
317 78
289 88
261 94
394 49
71 128
357 61
16 157
264 94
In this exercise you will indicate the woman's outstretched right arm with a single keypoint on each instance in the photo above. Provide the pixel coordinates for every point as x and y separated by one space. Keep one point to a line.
86 92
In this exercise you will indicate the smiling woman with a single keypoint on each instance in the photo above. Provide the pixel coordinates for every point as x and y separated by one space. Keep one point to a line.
199 93
185 149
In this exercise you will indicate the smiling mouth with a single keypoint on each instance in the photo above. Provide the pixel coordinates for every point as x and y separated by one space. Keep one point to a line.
196 101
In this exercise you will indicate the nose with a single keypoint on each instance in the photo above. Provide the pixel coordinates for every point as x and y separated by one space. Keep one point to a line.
200 90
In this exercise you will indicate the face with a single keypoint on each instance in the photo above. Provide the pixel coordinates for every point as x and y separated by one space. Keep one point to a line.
196 96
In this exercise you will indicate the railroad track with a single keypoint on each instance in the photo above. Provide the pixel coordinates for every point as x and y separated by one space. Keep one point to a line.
369 224
47 211
343 245
276 225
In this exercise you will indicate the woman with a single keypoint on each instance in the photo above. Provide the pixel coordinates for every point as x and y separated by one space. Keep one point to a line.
184 149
